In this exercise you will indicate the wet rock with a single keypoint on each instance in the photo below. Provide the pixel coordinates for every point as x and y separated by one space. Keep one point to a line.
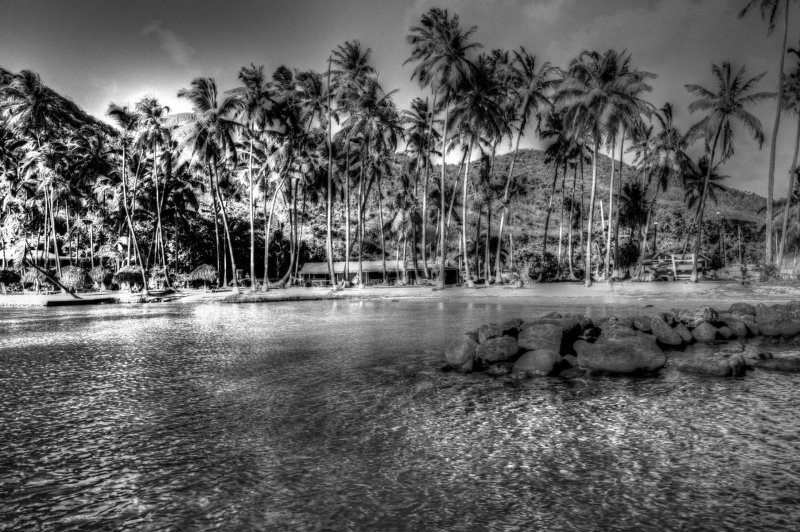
692 317
750 323
735 323
541 336
511 327
460 352
497 349
572 325
777 320
541 362
705 332
664 333
714 365
625 355
571 360
499 369
491 330
726 332
573 373
742 309
791 364
642 324
612 330
684 332
668 317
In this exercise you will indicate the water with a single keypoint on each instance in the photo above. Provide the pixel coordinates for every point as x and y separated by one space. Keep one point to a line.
333 416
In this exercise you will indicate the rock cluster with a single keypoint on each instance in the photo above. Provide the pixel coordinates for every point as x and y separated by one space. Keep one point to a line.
571 344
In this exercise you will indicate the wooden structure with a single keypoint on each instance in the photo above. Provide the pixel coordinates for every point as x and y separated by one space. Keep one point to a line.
664 266
316 273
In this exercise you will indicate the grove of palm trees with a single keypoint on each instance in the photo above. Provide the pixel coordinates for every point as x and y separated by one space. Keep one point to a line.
297 166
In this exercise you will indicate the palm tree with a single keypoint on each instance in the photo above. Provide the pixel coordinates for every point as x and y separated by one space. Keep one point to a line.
440 47
772 11
791 104
726 103
208 132
479 113
531 82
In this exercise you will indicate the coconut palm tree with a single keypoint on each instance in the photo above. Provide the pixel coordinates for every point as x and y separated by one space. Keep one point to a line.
724 104
207 132
772 11
791 105
441 49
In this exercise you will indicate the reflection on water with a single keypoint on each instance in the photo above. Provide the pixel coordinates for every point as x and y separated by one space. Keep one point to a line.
315 415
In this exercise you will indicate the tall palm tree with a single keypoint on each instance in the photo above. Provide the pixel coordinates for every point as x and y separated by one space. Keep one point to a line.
207 132
791 104
532 82
479 113
724 104
772 11
441 49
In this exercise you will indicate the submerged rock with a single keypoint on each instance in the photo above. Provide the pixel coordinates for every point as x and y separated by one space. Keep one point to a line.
541 362
501 368
719 365
497 349
625 355
778 364
461 352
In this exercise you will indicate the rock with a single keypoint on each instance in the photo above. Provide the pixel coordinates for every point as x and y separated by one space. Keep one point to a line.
460 352
541 336
735 323
501 368
611 330
541 362
684 332
742 309
491 330
511 327
752 326
726 332
572 373
705 332
664 333
626 355
777 320
572 325
668 317
642 324
692 317
779 364
570 359
715 365
497 349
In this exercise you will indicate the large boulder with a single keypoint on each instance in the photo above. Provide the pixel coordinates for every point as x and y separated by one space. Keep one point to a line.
750 323
626 355
664 333
777 320
536 335
742 309
460 353
735 323
720 365
540 362
617 330
572 325
779 364
726 332
684 332
643 324
692 317
490 330
497 349
705 332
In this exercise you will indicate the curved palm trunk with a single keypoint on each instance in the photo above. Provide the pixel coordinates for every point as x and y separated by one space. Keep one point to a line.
702 206
467 277
619 195
610 212
130 224
329 192
427 166
442 240
773 143
561 221
227 231
588 258
789 194
571 223
159 238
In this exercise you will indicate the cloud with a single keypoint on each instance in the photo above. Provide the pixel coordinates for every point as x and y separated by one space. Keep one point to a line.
546 11
177 48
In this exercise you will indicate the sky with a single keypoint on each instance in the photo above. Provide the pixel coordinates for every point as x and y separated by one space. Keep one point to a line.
101 51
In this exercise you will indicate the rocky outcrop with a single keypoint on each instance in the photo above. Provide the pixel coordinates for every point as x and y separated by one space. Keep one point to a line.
627 355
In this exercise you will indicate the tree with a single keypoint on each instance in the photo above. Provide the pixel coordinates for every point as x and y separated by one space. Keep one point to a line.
440 47
772 11
723 105
791 105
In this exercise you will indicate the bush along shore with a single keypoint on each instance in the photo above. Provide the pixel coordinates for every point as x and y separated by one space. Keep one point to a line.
572 345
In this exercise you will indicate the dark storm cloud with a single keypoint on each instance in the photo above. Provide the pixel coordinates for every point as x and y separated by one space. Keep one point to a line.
101 51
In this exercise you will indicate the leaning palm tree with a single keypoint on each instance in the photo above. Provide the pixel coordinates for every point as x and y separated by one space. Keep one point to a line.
440 47
791 104
772 11
208 133
724 104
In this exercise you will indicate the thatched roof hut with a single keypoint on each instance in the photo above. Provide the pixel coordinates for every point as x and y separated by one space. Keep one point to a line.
100 275
73 277
128 275
205 273
32 276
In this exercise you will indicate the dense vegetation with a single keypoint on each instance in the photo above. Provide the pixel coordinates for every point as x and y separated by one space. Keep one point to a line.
298 165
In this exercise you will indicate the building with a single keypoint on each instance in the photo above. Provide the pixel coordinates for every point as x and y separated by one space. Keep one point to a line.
372 270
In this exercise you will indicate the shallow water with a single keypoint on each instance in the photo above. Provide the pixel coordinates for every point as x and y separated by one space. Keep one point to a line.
333 415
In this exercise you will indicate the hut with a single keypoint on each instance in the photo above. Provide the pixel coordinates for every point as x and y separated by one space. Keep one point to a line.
316 273
73 278
100 276
676 266
204 273
128 276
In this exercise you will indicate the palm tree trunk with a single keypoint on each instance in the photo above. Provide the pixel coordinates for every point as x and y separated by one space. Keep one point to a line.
549 210
702 206
509 177
792 174
561 220
571 222
55 240
329 191
588 258
470 283
252 222
774 142
347 240
619 195
455 187
610 210
227 232
442 244
425 272
487 265
360 216
383 235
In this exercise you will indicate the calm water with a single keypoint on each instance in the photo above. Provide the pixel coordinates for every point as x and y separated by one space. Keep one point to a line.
332 415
